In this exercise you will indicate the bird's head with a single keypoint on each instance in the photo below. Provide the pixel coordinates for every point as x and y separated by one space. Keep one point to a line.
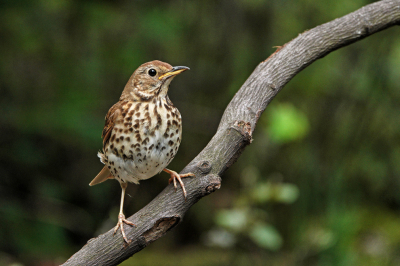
151 80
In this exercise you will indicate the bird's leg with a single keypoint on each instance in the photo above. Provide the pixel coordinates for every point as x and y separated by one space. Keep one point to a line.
121 216
175 176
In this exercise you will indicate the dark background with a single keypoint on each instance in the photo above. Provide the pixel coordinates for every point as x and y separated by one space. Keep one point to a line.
319 185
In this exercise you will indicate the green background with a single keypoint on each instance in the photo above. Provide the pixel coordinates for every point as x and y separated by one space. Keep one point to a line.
320 185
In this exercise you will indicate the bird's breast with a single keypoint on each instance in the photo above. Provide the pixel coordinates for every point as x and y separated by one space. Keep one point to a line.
144 140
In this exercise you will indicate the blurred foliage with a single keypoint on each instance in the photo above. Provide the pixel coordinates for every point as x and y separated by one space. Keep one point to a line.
319 186
286 123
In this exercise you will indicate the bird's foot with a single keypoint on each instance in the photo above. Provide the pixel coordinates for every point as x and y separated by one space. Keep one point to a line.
175 176
120 224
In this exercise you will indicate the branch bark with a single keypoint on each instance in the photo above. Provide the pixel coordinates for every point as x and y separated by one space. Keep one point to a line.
235 130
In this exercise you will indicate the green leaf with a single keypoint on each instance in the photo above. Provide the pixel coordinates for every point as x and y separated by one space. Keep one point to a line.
286 123
235 220
266 236
288 193
279 192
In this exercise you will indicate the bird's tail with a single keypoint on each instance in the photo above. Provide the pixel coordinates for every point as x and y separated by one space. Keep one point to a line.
102 176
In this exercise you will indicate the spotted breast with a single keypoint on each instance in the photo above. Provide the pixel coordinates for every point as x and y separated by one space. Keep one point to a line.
144 140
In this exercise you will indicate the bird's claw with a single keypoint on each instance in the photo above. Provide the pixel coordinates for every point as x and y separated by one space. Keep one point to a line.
175 176
120 224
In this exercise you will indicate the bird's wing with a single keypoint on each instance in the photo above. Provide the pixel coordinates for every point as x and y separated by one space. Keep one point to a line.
112 117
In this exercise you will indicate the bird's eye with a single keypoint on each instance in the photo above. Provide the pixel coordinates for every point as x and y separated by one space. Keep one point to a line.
152 72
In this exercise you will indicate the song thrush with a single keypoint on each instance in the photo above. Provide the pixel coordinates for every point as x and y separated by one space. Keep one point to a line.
142 131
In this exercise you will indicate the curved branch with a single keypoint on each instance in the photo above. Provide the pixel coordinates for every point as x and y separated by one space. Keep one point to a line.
235 130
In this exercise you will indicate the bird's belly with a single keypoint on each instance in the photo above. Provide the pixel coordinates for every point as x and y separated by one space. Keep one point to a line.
133 171
141 154
144 163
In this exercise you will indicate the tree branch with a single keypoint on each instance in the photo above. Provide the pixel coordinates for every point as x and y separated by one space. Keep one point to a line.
235 130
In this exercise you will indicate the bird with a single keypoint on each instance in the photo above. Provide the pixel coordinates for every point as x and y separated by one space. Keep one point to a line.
142 132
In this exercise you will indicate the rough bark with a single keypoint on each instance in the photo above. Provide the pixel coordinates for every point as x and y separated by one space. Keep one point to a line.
235 130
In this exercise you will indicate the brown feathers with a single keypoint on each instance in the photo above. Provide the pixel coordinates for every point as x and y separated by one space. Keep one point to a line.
111 118
102 176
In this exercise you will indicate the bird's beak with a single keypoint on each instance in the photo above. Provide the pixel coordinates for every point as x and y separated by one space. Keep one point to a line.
173 72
